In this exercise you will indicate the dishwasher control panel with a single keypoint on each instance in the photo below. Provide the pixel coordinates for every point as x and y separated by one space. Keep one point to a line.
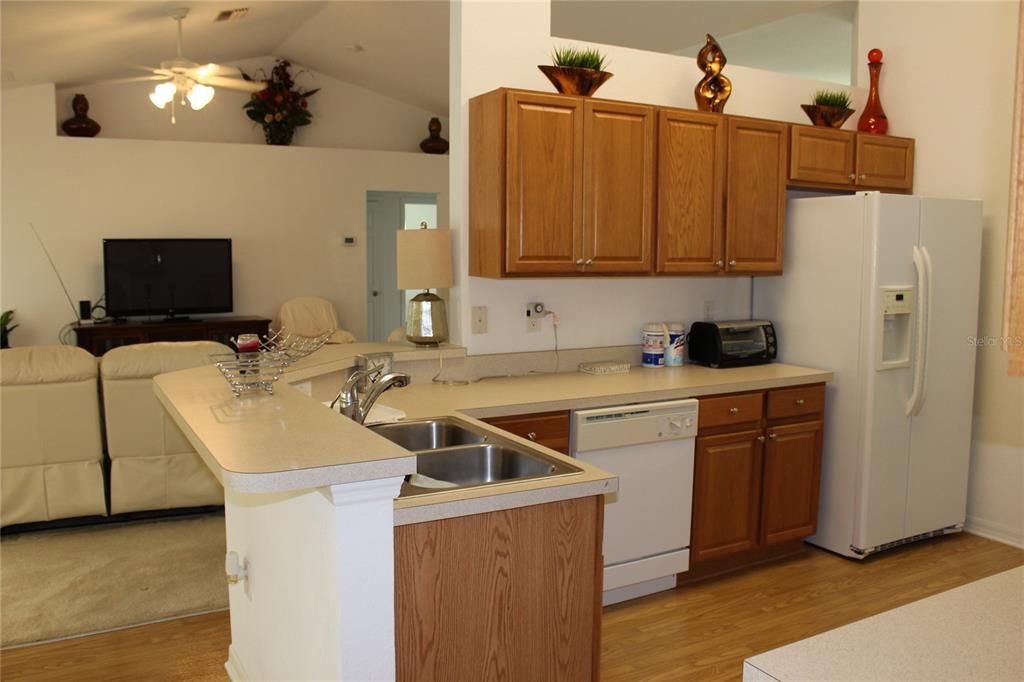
611 427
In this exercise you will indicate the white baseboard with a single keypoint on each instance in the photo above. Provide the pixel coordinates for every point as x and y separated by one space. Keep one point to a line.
995 531
236 673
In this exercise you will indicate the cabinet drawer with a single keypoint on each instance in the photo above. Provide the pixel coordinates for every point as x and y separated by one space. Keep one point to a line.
794 402
727 410
550 429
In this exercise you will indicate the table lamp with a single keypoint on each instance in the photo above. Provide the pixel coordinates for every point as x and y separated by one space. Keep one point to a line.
425 262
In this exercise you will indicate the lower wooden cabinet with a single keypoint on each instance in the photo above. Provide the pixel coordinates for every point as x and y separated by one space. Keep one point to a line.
550 429
726 494
756 483
792 473
507 595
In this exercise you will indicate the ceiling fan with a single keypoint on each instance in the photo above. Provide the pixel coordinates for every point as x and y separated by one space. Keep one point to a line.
188 82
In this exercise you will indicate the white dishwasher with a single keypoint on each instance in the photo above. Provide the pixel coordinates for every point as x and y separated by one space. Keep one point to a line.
647 522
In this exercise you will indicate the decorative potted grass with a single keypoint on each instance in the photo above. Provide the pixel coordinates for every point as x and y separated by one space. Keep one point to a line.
829 108
576 71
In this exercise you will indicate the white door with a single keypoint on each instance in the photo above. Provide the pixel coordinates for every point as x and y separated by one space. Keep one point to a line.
894 224
940 434
386 214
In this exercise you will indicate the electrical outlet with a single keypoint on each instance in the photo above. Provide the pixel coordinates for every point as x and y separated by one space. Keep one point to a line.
479 324
709 311
534 317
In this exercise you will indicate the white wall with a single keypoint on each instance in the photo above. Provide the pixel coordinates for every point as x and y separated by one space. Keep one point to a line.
344 115
498 44
948 82
285 208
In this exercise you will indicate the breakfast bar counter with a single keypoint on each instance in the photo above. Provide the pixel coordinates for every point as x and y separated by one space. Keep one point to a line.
316 527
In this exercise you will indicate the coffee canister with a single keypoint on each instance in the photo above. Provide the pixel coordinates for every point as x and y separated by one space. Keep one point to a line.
654 337
674 351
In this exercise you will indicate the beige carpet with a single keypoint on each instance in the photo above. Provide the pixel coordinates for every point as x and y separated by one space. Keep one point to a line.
56 584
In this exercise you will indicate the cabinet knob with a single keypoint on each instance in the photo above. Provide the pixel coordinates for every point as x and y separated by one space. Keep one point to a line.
773 435
719 264
734 410
852 176
579 261
532 435
589 261
799 401
862 176
732 263
760 439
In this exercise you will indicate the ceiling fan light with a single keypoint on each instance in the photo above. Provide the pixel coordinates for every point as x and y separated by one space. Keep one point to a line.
200 95
162 94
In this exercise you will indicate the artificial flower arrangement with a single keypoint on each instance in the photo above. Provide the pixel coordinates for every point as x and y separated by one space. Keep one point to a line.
280 107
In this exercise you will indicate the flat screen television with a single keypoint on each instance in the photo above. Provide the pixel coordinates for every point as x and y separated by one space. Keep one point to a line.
167 276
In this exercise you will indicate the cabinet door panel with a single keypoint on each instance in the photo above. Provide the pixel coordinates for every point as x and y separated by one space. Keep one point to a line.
821 155
726 494
885 162
544 175
618 187
792 474
550 429
756 196
691 182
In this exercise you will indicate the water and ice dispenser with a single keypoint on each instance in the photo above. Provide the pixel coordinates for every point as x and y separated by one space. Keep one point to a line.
897 311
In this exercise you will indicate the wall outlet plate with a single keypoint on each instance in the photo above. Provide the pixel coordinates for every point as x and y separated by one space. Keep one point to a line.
479 319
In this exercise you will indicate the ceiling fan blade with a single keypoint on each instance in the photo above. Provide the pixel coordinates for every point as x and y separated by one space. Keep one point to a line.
233 83
116 81
207 70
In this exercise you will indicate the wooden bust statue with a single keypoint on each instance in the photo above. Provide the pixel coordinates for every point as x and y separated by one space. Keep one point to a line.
435 144
80 125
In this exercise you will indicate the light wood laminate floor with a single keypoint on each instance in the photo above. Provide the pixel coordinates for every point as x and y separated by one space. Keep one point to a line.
701 631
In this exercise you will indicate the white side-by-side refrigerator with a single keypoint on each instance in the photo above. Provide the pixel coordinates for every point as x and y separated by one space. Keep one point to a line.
882 290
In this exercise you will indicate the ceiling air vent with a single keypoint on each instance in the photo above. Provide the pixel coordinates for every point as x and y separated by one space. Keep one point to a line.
232 14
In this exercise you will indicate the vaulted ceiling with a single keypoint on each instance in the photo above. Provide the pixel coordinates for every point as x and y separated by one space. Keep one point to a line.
404 42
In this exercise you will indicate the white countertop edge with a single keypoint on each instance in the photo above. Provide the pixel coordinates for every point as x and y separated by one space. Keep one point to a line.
559 489
605 400
318 477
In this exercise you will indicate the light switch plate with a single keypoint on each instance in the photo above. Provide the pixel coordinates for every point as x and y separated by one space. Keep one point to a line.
479 325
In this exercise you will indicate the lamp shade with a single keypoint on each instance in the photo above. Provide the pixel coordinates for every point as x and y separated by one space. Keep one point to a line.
424 259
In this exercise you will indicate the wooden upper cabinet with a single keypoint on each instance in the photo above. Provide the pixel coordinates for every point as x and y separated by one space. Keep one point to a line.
792 472
691 186
618 187
822 155
726 494
755 196
545 173
885 162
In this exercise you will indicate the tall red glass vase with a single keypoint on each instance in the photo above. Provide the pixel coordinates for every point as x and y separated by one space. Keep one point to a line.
873 119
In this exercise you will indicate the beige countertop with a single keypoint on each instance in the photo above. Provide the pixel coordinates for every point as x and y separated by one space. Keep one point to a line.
334 357
288 441
973 632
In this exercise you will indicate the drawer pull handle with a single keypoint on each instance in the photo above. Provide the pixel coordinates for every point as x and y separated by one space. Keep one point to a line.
799 401
773 436
532 435
734 410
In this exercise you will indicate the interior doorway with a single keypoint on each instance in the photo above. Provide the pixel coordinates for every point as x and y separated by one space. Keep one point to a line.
386 213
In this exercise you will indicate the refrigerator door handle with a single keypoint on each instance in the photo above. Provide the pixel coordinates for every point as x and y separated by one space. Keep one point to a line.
922 265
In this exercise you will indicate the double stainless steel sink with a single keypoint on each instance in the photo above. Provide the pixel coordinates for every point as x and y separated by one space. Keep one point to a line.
452 453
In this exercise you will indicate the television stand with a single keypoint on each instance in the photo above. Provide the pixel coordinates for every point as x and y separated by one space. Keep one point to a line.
100 337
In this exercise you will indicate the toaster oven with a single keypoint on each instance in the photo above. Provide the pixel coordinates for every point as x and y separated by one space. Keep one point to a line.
732 344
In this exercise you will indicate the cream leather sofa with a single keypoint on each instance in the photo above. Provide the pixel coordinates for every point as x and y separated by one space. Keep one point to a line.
51 451
152 465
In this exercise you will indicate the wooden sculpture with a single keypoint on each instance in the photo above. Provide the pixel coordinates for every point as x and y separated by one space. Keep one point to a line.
713 89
